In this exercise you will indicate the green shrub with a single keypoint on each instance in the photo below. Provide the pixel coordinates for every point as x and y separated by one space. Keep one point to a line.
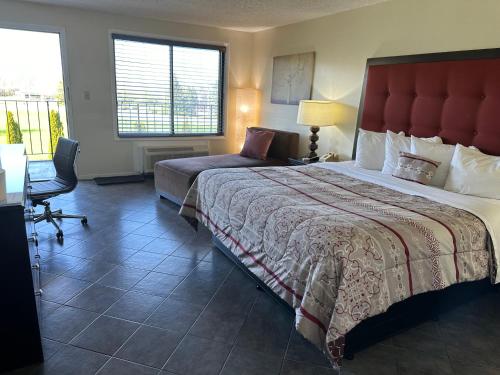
14 134
56 130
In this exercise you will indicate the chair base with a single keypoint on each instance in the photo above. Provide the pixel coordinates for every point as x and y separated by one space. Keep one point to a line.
50 216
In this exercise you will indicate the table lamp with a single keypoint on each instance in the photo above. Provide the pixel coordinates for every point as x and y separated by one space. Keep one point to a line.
315 113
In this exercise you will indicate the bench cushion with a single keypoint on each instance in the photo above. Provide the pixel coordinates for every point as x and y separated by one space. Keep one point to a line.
174 177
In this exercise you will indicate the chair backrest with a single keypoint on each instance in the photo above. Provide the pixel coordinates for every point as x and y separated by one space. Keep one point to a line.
64 161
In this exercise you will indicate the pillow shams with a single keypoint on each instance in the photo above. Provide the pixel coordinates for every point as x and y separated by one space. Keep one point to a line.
438 152
394 144
474 173
370 150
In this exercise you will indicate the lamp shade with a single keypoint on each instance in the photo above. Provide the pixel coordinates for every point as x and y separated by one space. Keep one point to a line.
316 113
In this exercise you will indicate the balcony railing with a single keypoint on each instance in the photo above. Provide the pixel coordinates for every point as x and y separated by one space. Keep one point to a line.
34 118
149 118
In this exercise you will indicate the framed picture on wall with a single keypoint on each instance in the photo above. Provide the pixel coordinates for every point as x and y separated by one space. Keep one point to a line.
292 78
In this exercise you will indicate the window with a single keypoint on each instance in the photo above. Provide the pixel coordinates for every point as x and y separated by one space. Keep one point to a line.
166 88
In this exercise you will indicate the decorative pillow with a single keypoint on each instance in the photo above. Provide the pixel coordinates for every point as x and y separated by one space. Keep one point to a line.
394 144
474 173
257 144
438 152
415 168
370 150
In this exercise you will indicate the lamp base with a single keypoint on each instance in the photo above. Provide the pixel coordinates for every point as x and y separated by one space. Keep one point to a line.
313 138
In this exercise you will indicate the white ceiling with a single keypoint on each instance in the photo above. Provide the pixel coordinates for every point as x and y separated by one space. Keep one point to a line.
247 15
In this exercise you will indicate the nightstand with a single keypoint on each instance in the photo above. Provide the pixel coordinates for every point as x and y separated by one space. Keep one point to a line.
292 161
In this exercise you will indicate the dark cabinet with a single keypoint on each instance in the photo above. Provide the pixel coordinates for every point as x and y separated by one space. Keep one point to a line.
19 271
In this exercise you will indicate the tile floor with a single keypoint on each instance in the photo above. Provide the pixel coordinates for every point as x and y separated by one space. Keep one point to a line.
139 292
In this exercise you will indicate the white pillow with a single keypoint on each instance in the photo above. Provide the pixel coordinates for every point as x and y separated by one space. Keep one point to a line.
394 143
437 152
474 173
370 150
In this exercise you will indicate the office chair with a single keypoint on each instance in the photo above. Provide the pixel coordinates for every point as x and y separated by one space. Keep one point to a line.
64 182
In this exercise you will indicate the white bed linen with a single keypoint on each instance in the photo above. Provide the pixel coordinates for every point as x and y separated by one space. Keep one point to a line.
488 210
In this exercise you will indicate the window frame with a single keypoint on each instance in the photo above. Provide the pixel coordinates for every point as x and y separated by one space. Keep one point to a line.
222 47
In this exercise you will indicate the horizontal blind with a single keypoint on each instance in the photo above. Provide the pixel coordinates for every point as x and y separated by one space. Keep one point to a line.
196 90
165 88
142 88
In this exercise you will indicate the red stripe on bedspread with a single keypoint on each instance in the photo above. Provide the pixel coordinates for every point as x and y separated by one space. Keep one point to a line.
455 250
299 296
407 252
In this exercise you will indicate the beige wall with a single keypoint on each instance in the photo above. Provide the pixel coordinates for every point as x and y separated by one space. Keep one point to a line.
89 68
344 41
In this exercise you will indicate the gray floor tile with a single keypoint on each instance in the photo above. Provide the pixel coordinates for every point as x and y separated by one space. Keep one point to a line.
247 362
360 366
81 232
198 356
84 249
140 217
194 288
65 323
411 362
73 361
189 251
45 308
150 346
105 335
119 367
46 278
175 315
424 338
152 230
90 270
218 327
176 266
97 298
157 283
124 226
267 328
63 288
123 277
298 368
58 264
53 245
469 343
50 348
301 350
144 260
162 246
134 306
178 233
135 241
461 369
115 255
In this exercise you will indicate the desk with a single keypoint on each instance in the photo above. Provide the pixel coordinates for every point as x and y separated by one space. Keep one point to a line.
19 328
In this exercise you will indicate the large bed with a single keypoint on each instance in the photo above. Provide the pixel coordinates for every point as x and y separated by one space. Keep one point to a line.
342 244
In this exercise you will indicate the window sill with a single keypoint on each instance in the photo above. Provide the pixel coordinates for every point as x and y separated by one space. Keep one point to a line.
172 139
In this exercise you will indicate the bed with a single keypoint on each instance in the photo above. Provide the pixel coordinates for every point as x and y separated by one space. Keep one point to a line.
343 245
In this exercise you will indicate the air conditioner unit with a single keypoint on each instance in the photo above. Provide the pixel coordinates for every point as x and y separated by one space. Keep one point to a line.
146 155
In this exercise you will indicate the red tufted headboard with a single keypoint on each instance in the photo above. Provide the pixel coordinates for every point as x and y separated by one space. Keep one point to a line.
455 95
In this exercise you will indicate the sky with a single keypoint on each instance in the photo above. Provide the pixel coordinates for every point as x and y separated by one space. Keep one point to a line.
31 61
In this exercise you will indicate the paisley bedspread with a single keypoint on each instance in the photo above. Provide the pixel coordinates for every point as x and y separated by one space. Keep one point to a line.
337 249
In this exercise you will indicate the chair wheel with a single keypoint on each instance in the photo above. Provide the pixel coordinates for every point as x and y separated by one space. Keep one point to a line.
84 221
59 234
